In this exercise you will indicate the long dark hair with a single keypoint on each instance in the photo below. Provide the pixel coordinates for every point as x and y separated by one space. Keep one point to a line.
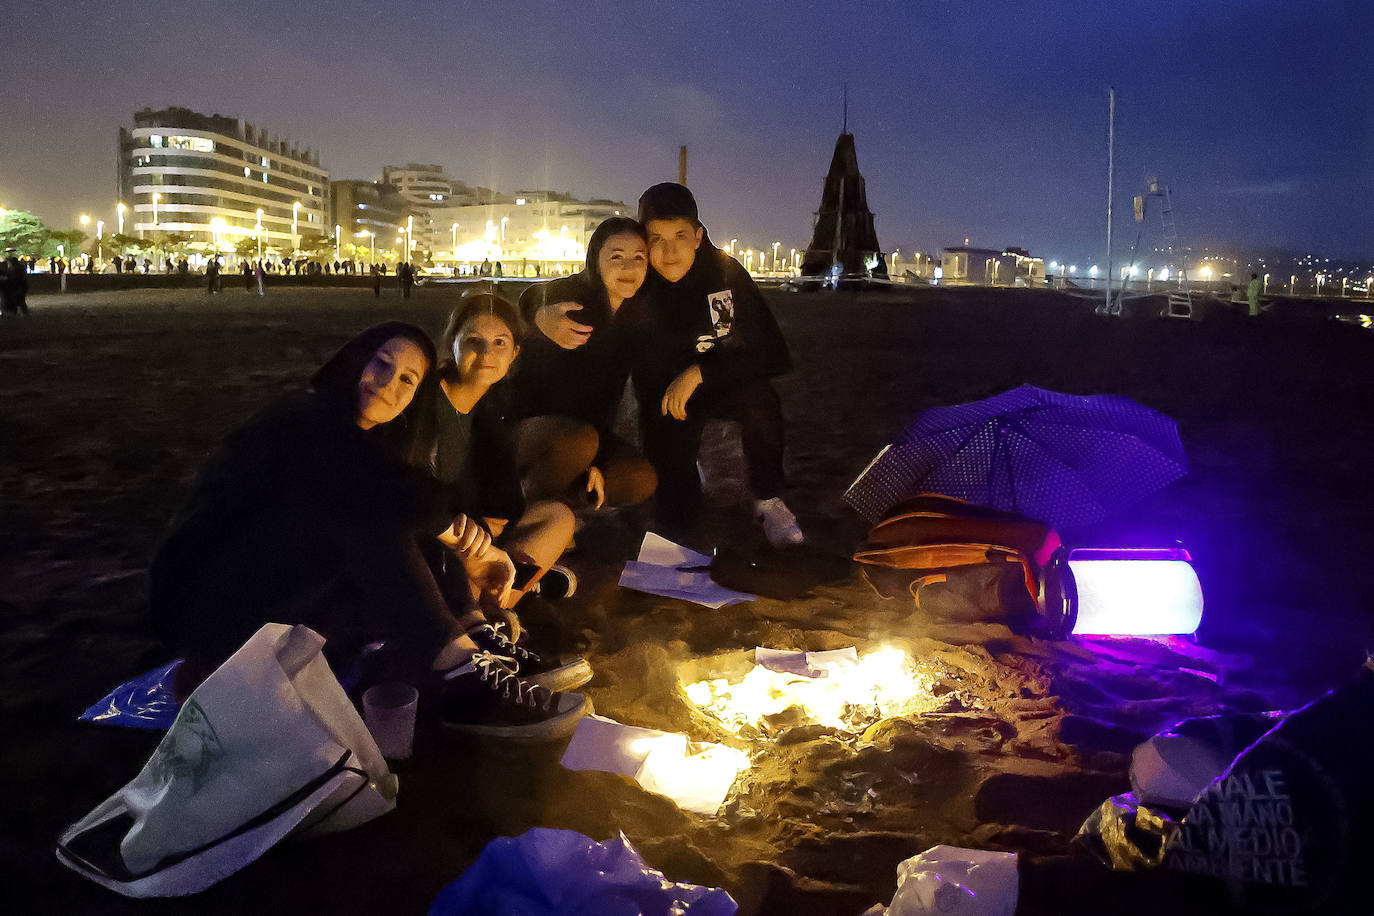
409 437
609 228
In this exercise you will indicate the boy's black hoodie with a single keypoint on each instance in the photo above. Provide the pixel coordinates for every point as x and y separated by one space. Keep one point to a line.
714 317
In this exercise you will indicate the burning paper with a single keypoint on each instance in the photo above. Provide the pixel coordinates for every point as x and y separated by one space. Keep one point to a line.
695 775
837 689
673 571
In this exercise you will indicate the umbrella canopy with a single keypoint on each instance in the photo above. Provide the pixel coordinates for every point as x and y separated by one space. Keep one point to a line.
1059 458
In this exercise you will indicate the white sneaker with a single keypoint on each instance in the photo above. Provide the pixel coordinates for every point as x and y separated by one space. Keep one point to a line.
779 524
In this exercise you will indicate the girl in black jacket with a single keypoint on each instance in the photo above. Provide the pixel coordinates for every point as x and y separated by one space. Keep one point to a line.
571 376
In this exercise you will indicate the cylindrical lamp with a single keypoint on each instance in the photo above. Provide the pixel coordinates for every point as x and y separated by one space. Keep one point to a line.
1121 592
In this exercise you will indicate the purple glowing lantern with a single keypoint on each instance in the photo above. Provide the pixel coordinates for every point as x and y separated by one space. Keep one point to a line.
1121 592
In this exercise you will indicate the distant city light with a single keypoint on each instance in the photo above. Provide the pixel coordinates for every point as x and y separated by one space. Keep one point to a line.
1092 271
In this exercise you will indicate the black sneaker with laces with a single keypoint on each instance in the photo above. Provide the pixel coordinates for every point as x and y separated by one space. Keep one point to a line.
549 673
483 697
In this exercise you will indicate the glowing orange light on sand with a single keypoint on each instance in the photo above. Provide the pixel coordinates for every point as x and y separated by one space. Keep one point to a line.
848 696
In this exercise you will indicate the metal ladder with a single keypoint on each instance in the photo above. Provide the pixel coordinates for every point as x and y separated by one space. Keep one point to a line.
1180 299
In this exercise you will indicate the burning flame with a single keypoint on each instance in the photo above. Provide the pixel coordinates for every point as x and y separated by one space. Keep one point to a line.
844 695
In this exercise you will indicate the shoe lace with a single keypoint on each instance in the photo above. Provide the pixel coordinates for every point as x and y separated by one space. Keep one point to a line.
518 652
493 670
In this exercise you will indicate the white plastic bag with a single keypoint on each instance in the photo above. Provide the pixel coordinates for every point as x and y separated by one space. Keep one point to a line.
951 879
268 745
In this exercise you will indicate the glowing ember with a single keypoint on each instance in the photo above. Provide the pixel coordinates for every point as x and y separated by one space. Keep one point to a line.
884 684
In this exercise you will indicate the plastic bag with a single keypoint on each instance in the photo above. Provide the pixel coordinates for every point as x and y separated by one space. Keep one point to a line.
1126 834
144 702
546 872
951 879
1174 766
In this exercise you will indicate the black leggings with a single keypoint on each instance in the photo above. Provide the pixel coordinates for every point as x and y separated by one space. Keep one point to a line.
672 445
553 453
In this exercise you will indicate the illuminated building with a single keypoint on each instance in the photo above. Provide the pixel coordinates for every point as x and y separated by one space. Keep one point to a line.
219 179
991 266
366 208
528 231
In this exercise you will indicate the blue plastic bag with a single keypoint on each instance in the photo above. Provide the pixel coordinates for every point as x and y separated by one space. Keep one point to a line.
144 702
547 872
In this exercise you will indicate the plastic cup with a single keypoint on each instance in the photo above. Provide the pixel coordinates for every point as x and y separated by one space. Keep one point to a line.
389 713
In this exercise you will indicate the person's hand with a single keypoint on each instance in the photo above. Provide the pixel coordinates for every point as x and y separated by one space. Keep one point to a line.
467 538
681 389
490 578
596 485
553 322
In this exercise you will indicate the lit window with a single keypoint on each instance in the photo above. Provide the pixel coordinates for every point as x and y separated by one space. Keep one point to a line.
245 171
519 201
264 161
199 144
155 140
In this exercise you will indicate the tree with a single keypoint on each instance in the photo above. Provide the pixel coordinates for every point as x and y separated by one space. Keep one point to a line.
178 243
246 248
121 243
70 241
25 233
315 245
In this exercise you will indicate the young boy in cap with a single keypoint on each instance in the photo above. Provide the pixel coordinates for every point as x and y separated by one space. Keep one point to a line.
708 345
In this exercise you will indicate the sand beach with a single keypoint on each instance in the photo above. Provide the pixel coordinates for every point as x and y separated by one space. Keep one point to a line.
110 401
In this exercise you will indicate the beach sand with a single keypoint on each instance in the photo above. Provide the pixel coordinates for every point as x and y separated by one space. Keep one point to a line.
111 401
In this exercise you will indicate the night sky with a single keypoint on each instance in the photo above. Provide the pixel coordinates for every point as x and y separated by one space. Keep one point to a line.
976 119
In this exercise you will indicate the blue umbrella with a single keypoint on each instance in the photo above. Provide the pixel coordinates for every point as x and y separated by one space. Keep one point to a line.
1064 459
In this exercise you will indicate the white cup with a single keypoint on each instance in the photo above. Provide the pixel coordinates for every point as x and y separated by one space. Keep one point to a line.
389 713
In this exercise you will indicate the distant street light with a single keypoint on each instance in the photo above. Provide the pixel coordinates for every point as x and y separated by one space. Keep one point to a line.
295 235
410 237
156 198
455 241
85 220
730 249
504 220
99 240
337 231
775 256
120 208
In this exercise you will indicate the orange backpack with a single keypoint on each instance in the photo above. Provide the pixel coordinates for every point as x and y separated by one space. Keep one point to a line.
922 539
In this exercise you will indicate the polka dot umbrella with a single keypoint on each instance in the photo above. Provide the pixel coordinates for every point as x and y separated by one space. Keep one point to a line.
1059 458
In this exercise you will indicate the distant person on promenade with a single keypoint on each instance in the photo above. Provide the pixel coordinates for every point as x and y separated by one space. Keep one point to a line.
570 379
405 276
1252 293
14 286
376 282
706 346
212 276
247 276
485 269
498 270
262 279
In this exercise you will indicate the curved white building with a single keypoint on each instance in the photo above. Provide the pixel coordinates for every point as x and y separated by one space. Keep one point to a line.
220 180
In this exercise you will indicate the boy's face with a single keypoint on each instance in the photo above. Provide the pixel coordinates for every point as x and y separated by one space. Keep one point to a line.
673 246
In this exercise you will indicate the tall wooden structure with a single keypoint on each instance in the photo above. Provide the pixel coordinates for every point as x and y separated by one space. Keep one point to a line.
845 234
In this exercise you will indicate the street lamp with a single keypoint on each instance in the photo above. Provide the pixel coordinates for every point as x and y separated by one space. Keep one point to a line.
455 241
120 208
99 240
504 220
410 237
730 249
156 198
295 208
775 256
217 230
257 230
337 229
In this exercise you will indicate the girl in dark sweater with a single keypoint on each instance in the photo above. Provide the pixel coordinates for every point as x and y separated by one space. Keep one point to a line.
571 376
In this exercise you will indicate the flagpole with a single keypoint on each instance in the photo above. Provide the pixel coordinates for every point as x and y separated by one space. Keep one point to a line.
1111 153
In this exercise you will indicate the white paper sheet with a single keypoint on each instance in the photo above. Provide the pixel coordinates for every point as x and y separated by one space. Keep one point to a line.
697 776
804 664
673 571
